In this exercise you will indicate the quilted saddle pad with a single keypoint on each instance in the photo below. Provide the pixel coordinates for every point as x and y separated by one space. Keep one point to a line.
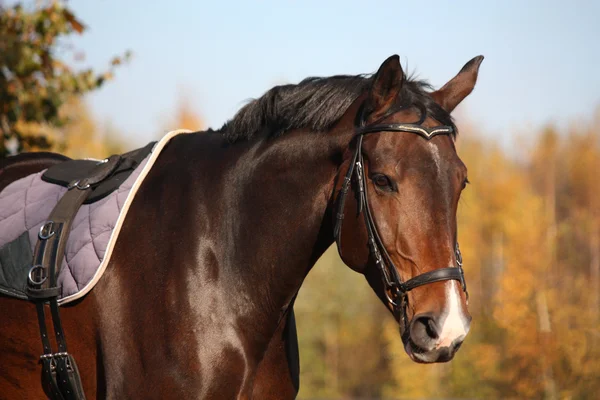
25 205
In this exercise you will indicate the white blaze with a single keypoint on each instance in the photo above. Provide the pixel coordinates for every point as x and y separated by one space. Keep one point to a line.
455 322
454 326
436 156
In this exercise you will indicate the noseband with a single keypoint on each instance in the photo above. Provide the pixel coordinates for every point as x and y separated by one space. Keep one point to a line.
396 291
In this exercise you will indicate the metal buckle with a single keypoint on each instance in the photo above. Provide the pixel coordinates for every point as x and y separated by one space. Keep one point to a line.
459 259
42 274
389 298
53 355
463 282
77 184
68 363
46 230
359 175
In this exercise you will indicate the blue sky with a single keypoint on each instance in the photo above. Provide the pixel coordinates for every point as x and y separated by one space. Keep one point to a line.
541 57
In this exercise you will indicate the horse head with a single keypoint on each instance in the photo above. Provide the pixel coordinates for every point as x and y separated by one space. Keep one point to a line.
395 206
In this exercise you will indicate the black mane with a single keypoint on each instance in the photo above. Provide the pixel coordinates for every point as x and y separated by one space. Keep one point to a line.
318 103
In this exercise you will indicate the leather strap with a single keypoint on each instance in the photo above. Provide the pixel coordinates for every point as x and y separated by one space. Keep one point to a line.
60 375
437 275
50 248
49 382
68 377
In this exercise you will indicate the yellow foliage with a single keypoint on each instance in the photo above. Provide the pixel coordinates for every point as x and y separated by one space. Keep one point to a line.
185 117
80 137
529 230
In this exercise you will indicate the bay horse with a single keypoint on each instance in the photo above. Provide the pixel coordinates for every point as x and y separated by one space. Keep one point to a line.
197 301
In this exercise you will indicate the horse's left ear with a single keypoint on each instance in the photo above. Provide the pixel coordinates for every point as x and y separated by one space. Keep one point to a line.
386 86
459 87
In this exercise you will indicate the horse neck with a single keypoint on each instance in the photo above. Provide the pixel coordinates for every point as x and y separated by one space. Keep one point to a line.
282 219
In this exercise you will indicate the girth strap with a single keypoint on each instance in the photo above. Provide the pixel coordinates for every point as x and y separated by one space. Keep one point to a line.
60 375
50 248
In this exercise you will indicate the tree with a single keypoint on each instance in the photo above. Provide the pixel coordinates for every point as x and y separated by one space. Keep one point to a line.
83 137
185 117
34 82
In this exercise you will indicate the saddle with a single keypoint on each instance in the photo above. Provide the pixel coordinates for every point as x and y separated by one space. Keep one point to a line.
87 181
67 172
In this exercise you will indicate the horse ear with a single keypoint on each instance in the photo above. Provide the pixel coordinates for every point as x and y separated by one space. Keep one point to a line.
459 87
385 88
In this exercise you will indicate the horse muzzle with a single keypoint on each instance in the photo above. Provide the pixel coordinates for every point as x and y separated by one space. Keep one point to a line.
428 341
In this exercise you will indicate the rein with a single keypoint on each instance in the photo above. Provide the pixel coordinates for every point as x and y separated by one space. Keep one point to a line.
396 291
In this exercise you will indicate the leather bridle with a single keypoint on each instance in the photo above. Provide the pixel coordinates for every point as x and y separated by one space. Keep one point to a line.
396 291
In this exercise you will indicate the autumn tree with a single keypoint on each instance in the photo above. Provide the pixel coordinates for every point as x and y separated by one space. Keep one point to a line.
84 136
185 117
340 331
34 81
529 230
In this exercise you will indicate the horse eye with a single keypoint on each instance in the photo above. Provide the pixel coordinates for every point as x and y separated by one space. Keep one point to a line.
383 182
465 183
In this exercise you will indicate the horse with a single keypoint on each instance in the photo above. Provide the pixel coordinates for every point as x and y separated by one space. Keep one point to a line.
197 300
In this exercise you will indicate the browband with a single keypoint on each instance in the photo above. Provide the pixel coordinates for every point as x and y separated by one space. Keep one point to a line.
427 133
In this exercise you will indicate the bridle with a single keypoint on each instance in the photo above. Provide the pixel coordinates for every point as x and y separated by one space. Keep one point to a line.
395 290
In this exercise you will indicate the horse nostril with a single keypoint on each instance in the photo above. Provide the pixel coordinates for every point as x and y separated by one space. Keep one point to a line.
424 332
431 328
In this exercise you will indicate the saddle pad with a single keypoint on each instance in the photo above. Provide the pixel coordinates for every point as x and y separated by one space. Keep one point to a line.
26 203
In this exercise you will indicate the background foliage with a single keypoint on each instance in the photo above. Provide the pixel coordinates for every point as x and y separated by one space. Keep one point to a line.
529 229
36 80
